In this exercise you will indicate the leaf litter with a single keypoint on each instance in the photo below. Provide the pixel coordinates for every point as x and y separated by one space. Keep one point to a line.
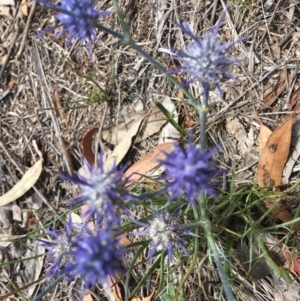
82 121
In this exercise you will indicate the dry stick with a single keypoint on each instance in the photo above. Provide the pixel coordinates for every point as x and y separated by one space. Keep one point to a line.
291 88
98 137
47 97
4 297
8 55
288 36
213 13
25 32
222 111
272 19
22 172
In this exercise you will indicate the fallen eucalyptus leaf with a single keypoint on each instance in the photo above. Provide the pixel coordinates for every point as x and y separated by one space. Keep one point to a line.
28 180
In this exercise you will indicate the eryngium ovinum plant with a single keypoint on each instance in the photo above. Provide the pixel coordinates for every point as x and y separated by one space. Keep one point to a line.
95 254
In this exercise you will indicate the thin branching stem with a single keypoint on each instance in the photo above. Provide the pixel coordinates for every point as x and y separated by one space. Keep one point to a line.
191 100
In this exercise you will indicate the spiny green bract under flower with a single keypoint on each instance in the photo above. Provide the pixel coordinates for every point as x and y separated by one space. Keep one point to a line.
96 257
60 249
103 191
76 17
189 171
205 59
164 232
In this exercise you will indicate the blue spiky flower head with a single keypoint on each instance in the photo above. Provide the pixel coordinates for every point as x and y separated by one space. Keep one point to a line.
76 17
189 171
205 59
164 232
60 248
103 191
96 257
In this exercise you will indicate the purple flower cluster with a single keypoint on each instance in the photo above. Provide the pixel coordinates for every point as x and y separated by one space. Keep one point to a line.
79 251
61 247
164 232
189 170
104 192
95 255
76 17
205 59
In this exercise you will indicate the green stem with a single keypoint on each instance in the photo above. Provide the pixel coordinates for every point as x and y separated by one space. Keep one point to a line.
128 41
48 289
126 38
212 245
130 268
203 118
191 100
193 262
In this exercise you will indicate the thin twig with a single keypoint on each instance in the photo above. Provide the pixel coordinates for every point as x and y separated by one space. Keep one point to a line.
4 297
291 87
47 97
98 136
270 22
213 13
25 32
8 55
288 36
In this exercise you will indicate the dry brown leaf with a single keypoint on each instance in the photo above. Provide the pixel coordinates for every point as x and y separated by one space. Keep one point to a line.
87 146
28 180
271 165
148 162
264 133
24 8
122 148
274 155
281 213
293 261
274 92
